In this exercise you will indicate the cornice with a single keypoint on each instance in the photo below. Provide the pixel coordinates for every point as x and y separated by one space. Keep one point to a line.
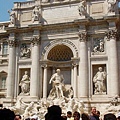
21 5
81 21
3 34
111 18
32 27
18 29
25 61
58 3
54 62
99 57
74 23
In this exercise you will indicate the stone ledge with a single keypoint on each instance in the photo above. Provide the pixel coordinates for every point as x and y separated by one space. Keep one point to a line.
47 4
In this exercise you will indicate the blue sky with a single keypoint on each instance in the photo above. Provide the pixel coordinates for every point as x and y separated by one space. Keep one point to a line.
6 5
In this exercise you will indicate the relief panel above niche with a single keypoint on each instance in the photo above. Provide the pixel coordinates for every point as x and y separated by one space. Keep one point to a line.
98 46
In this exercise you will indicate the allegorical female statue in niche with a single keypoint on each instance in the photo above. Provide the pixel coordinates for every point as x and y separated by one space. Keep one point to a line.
99 81
25 84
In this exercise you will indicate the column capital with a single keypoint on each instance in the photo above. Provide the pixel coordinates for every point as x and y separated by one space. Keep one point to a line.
35 40
111 34
82 36
74 64
12 43
44 66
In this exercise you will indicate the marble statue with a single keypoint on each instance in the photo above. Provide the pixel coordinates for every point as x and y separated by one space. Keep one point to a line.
19 107
26 110
12 16
113 106
101 49
71 105
25 84
40 108
99 80
111 5
75 105
57 80
30 110
59 89
36 14
81 8
25 52
114 100
96 49
68 91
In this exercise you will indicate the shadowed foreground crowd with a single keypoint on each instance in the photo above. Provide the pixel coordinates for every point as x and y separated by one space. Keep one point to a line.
55 113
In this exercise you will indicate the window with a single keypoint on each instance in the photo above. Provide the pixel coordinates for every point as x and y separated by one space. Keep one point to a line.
3 77
5 48
3 86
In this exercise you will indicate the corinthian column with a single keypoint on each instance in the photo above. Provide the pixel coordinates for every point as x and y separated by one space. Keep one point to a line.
83 66
45 82
34 82
11 67
112 63
75 79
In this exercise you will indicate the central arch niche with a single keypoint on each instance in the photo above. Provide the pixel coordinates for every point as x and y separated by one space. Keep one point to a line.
60 53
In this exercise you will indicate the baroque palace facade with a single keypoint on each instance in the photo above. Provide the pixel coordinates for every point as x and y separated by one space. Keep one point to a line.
78 37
